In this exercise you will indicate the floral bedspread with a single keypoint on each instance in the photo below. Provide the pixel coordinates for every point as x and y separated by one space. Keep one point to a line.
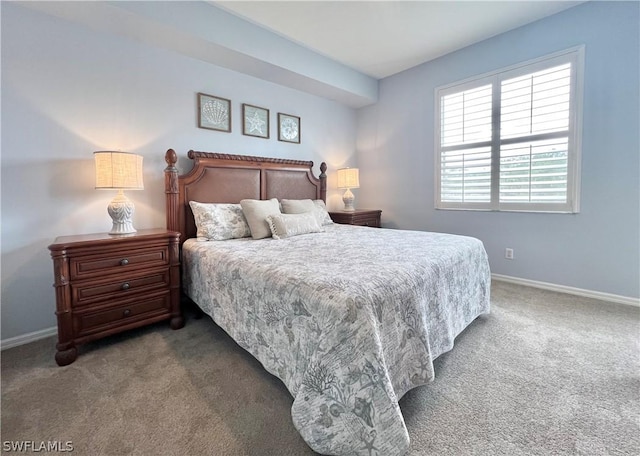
349 319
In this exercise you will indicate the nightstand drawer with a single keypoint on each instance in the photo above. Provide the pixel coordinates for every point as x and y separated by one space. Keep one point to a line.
126 313
89 292
114 262
366 221
361 217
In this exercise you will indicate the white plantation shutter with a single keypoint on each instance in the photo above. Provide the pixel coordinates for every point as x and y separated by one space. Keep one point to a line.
534 172
509 141
466 175
536 103
466 158
535 111
466 116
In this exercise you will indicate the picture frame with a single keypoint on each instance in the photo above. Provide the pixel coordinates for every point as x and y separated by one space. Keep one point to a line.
214 113
255 121
288 128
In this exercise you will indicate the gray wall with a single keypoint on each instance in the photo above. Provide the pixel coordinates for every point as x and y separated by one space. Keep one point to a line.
597 249
68 91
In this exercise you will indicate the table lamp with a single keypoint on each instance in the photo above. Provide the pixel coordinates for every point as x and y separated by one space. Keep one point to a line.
348 178
121 171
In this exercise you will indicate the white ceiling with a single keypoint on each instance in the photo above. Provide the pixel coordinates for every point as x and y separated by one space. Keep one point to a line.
381 38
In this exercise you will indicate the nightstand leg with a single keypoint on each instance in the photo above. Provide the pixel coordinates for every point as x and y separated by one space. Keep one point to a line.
176 322
66 357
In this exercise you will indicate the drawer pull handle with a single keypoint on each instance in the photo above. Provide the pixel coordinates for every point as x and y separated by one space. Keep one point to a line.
125 286
124 262
126 313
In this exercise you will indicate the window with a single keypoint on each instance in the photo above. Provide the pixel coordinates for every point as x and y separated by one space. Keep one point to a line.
510 140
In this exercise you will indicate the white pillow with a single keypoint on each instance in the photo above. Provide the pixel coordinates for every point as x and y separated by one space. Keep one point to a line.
256 213
321 213
218 222
317 207
287 225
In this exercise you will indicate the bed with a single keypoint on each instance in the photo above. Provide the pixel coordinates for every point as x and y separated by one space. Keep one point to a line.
350 318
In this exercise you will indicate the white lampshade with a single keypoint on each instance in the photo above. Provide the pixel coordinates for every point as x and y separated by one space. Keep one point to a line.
120 171
348 178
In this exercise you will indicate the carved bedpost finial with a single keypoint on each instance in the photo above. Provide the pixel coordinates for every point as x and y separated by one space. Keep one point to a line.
323 181
171 158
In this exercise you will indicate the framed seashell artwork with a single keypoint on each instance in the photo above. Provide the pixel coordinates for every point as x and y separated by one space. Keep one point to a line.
214 113
255 121
288 128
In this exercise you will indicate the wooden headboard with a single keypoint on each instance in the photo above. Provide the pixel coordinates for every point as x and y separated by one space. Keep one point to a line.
225 178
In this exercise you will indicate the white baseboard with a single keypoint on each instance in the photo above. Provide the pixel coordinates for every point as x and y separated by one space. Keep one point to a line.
569 290
26 338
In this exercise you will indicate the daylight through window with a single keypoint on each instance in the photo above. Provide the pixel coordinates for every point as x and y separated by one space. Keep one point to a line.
510 140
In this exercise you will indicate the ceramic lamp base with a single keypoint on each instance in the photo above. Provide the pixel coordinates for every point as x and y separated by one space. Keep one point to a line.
347 199
121 211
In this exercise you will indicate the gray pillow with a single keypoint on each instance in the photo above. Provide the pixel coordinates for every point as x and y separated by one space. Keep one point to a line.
317 207
256 213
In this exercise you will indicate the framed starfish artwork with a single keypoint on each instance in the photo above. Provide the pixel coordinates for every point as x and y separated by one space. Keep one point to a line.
255 121
288 128
214 113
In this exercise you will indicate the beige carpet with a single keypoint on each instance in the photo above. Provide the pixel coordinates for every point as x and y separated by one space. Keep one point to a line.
544 374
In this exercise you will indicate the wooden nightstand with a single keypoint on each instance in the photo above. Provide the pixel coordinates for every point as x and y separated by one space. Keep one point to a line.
360 217
107 284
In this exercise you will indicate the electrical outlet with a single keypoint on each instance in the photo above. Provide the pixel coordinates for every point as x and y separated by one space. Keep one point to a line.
508 253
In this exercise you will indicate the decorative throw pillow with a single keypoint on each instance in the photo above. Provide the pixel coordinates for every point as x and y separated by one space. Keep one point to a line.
317 207
218 222
287 225
321 213
256 213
